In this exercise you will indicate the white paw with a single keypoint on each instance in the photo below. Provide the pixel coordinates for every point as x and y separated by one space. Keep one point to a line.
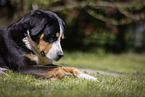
88 77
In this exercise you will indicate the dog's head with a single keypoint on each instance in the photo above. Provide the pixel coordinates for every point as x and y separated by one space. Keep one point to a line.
46 29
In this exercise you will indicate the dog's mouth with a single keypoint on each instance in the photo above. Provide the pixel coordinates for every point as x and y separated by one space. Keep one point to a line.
59 56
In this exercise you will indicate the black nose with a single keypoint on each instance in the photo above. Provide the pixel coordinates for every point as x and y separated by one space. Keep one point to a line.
60 54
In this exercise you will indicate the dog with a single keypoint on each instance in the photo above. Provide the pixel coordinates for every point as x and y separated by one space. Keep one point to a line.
30 46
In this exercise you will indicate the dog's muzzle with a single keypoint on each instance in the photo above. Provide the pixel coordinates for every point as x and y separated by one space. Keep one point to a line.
55 53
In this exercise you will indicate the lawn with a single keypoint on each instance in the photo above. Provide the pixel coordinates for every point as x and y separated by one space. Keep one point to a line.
129 63
130 85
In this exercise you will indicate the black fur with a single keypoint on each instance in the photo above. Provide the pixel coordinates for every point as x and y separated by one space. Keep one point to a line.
12 48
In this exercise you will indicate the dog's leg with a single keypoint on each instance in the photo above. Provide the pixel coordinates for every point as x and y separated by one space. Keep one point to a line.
52 72
55 72
60 72
79 74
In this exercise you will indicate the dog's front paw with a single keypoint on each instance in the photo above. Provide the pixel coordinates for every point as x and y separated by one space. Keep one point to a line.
56 73
79 74
88 77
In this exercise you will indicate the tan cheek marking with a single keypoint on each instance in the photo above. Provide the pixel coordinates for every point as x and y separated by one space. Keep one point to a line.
47 48
44 46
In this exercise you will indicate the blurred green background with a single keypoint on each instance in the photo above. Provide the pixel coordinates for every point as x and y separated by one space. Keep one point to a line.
114 26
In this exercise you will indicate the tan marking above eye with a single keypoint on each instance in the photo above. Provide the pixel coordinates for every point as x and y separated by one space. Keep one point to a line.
62 36
57 34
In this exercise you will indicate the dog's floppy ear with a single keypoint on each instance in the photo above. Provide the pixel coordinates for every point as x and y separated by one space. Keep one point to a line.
38 27
38 21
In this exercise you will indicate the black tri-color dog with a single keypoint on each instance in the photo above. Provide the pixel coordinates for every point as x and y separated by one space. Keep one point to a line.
30 45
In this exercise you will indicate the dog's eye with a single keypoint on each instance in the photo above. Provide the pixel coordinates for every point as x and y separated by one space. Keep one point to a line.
43 53
50 38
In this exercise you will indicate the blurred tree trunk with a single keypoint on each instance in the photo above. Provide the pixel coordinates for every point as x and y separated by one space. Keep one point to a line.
120 39
6 12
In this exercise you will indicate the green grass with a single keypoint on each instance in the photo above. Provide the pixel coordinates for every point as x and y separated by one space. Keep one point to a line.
123 63
17 85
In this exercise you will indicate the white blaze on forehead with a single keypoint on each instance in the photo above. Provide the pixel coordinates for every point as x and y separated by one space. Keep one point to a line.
61 31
